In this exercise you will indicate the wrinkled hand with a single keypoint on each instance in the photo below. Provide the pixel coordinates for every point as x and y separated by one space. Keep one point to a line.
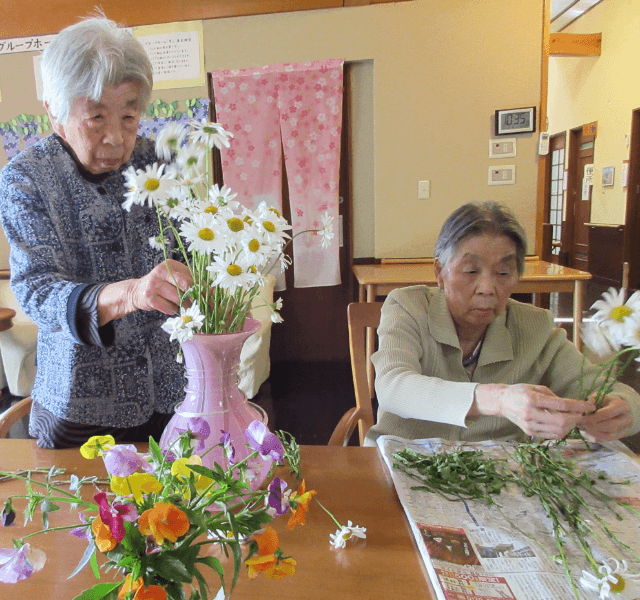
533 408
609 422
157 290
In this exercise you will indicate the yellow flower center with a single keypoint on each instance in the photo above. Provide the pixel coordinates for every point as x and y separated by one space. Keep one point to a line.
152 184
254 245
186 319
234 270
211 209
620 312
253 270
206 234
269 226
275 211
235 224
619 585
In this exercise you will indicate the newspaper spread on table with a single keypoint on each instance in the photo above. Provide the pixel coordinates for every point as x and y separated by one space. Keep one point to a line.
474 551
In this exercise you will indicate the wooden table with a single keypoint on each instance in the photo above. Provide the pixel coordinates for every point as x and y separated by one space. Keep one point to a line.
539 276
351 481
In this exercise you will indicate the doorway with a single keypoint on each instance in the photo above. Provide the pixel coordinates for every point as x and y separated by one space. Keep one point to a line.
631 251
578 212
553 250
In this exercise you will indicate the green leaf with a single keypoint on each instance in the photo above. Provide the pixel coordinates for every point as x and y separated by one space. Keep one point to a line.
100 591
178 114
156 113
39 130
46 127
190 113
39 118
164 110
25 131
156 453
94 565
14 122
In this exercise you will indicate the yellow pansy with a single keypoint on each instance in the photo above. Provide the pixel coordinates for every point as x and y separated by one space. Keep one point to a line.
180 468
94 446
137 484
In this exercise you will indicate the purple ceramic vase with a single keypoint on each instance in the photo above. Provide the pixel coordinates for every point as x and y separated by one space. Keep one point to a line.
214 404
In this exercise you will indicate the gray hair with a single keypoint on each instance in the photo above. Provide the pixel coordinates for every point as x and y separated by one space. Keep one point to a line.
478 218
85 58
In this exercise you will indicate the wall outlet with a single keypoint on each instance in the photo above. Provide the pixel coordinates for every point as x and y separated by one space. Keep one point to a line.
503 175
424 190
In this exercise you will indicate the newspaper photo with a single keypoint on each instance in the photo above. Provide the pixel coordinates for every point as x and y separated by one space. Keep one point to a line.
476 551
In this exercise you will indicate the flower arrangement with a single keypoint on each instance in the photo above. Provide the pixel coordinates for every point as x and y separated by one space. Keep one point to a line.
228 248
162 511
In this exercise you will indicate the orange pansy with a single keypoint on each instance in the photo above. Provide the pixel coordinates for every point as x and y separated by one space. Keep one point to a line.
164 521
269 560
301 499
153 592
104 540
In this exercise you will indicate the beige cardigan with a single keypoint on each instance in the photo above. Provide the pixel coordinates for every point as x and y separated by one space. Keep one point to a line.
423 390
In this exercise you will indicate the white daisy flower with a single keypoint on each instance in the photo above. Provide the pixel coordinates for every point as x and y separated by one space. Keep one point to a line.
158 242
169 140
203 234
183 327
326 233
223 197
631 335
255 252
613 307
271 224
209 134
340 538
615 578
131 183
152 184
191 159
229 275
594 336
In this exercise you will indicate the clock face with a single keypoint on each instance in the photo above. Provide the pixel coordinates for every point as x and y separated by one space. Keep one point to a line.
516 120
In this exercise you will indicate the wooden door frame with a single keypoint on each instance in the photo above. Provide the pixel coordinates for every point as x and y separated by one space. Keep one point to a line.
572 174
545 251
631 251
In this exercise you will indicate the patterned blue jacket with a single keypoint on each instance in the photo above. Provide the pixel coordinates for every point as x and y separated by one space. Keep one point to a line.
68 231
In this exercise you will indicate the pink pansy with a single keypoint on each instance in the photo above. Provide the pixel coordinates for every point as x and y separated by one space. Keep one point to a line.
200 430
265 442
123 460
114 515
20 563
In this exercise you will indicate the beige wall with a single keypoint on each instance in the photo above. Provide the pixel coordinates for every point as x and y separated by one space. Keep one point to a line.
604 89
440 68
427 78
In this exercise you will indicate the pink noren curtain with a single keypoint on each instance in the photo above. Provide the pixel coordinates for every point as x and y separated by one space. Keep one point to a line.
296 107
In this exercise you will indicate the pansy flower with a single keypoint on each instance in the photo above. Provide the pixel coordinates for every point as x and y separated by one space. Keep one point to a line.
265 442
270 559
96 445
20 563
198 427
114 515
164 522
102 533
153 592
123 460
8 515
299 502
136 485
229 450
276 494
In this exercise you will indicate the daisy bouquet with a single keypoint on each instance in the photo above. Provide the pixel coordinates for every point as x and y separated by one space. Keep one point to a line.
166 524
228 248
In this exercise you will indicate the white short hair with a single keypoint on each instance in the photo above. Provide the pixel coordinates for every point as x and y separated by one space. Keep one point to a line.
85 58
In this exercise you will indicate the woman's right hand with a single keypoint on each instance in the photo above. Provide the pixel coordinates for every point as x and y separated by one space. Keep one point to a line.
533 408
155 291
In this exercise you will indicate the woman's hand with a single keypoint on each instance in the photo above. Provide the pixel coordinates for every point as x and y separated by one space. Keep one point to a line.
533 408
609 422
155 291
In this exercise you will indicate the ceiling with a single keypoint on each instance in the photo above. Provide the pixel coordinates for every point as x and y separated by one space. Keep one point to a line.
564 12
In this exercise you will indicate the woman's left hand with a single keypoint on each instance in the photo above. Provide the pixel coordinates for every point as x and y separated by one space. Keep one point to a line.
609 422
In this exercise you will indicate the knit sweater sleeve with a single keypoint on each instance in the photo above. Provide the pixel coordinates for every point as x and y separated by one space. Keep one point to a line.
416 377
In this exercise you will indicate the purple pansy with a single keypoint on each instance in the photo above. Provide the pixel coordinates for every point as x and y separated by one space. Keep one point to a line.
115 515
20 563
265 442
84 531
8 514
276 491
229 450
200 429
123 460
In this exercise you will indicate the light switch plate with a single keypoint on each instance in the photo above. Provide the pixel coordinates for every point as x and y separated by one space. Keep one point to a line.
502 148
424 190
502 175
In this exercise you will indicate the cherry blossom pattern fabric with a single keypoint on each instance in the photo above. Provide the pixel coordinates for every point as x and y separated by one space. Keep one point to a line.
295 107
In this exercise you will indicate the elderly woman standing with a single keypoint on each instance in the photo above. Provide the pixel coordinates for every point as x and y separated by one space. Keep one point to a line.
82 267
464 362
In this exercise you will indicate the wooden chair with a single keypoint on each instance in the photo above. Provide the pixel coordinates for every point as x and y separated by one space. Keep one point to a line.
360 315
12 415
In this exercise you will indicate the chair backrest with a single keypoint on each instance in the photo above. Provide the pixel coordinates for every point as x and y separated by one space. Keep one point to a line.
12 415
363 318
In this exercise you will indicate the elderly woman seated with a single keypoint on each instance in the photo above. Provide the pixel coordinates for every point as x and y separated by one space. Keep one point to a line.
465 362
